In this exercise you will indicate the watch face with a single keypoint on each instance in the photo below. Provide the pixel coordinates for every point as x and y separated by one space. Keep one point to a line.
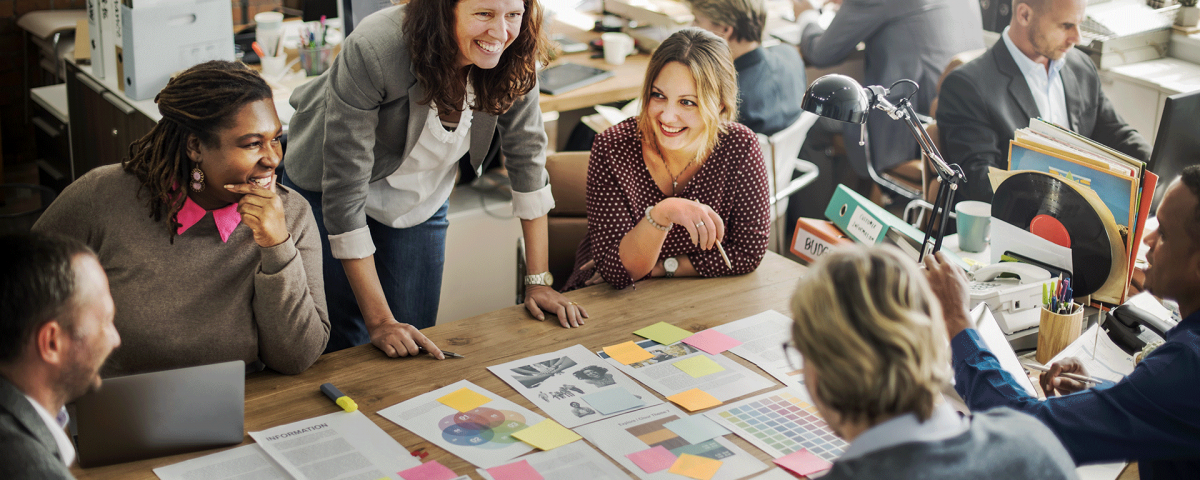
671 264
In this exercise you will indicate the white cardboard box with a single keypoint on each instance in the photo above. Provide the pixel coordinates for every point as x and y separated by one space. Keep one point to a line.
165 37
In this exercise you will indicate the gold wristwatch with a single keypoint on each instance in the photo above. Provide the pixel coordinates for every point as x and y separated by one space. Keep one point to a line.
544 278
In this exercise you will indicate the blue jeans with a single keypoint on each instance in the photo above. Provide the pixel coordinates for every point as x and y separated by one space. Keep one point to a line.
409 261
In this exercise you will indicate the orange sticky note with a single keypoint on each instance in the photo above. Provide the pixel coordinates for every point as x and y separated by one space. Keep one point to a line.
627 353
464 400
699 468
694 399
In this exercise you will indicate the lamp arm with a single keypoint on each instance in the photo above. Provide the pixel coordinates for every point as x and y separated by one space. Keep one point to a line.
950 176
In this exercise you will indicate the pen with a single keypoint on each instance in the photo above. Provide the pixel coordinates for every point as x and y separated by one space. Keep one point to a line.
338 397
1042 368
724 256
1045 295
257 49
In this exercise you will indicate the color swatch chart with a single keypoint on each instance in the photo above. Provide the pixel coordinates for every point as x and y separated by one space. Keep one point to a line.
780 423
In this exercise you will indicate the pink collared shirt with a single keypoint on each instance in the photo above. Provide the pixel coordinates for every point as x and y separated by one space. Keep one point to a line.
227 218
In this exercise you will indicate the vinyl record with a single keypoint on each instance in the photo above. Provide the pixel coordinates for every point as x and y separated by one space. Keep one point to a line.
1040 203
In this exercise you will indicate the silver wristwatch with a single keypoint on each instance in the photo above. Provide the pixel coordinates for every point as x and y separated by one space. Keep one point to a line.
544 278
670 265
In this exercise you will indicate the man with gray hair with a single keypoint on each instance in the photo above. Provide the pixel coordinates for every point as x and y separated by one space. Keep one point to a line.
56 330
771 81
1152 415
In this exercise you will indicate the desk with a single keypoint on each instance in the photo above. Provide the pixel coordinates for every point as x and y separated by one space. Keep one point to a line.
376 382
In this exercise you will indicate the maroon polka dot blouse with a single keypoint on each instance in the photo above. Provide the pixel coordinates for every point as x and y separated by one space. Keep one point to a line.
732 181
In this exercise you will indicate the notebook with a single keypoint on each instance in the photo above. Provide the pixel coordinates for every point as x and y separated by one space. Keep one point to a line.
569 76
162 413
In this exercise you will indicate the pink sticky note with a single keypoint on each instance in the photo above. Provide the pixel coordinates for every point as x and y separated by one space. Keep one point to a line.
712 341
653 460
431 470
803 463
515 471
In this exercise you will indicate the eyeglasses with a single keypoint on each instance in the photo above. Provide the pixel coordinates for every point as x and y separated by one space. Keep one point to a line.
794 359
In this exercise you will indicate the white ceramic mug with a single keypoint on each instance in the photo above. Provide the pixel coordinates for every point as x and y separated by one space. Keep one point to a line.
617 46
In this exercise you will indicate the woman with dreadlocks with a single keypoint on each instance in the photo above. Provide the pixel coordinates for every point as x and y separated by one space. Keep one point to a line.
207 258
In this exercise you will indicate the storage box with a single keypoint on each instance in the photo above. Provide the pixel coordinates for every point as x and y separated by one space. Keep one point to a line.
162 37
815 237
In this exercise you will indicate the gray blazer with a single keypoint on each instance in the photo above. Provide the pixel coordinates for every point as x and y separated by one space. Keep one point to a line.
351 125
913 39
986 100
27 447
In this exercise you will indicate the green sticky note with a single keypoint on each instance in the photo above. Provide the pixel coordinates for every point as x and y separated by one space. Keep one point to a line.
664 333
464 400
546 435
699 366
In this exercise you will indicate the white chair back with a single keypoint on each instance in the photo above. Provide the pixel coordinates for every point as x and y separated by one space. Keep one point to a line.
781 152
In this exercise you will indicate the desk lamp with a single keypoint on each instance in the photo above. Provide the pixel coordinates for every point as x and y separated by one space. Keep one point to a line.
841 98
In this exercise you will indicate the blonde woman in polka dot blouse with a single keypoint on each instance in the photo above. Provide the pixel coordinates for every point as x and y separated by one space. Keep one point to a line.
663 188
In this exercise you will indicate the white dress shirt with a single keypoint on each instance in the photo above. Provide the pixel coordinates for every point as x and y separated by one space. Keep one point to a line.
57 426
423 183
943 423
1046 86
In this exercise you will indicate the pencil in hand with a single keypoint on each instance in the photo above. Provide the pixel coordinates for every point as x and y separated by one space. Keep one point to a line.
724 256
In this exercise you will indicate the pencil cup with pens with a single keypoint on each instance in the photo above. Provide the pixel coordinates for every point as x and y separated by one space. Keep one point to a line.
316 56
1061 321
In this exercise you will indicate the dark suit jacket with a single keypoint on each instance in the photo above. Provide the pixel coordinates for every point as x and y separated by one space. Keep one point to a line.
27 447
983 102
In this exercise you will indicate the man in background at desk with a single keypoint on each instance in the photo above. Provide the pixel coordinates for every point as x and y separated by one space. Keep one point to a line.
1152 415
1032 71
771 81
905 39
56 330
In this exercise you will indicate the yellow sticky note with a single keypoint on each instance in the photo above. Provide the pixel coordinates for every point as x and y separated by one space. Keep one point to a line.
699 366
694 399
546 435
699 468
664 333
464 400
627 353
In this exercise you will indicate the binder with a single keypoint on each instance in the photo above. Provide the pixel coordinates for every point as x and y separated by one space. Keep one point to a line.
868 223
815 237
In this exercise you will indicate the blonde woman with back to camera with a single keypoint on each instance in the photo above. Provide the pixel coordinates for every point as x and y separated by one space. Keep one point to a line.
876 360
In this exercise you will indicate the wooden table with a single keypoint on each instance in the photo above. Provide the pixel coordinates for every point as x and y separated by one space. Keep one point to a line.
376 382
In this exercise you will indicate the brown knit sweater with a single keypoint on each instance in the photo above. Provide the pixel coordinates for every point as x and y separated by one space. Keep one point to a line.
199 300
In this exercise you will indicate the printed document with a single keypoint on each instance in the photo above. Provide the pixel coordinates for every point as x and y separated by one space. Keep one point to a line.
661 374
336 446
762 338
248 461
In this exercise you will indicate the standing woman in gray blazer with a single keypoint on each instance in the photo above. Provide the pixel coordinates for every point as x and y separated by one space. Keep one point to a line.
375 144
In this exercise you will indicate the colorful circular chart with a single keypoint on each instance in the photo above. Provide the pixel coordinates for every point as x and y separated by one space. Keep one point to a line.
482 427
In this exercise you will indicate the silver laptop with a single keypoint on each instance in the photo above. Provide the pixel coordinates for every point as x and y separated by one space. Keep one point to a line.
161 413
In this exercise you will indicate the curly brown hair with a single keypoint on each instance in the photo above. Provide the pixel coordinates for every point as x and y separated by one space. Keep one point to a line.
429 32
200 101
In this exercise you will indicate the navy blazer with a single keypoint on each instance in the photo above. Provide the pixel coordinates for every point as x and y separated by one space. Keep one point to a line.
983 102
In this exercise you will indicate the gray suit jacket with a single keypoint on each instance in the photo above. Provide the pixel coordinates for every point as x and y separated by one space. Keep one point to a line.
27 447
351 125
986 100
913 39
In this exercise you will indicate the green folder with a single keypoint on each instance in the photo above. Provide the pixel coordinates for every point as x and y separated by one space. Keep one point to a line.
868 223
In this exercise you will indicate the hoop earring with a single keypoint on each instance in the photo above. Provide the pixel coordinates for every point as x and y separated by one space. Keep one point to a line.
197 179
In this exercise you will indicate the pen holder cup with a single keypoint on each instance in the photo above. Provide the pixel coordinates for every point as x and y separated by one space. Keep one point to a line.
316 61
1056 331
